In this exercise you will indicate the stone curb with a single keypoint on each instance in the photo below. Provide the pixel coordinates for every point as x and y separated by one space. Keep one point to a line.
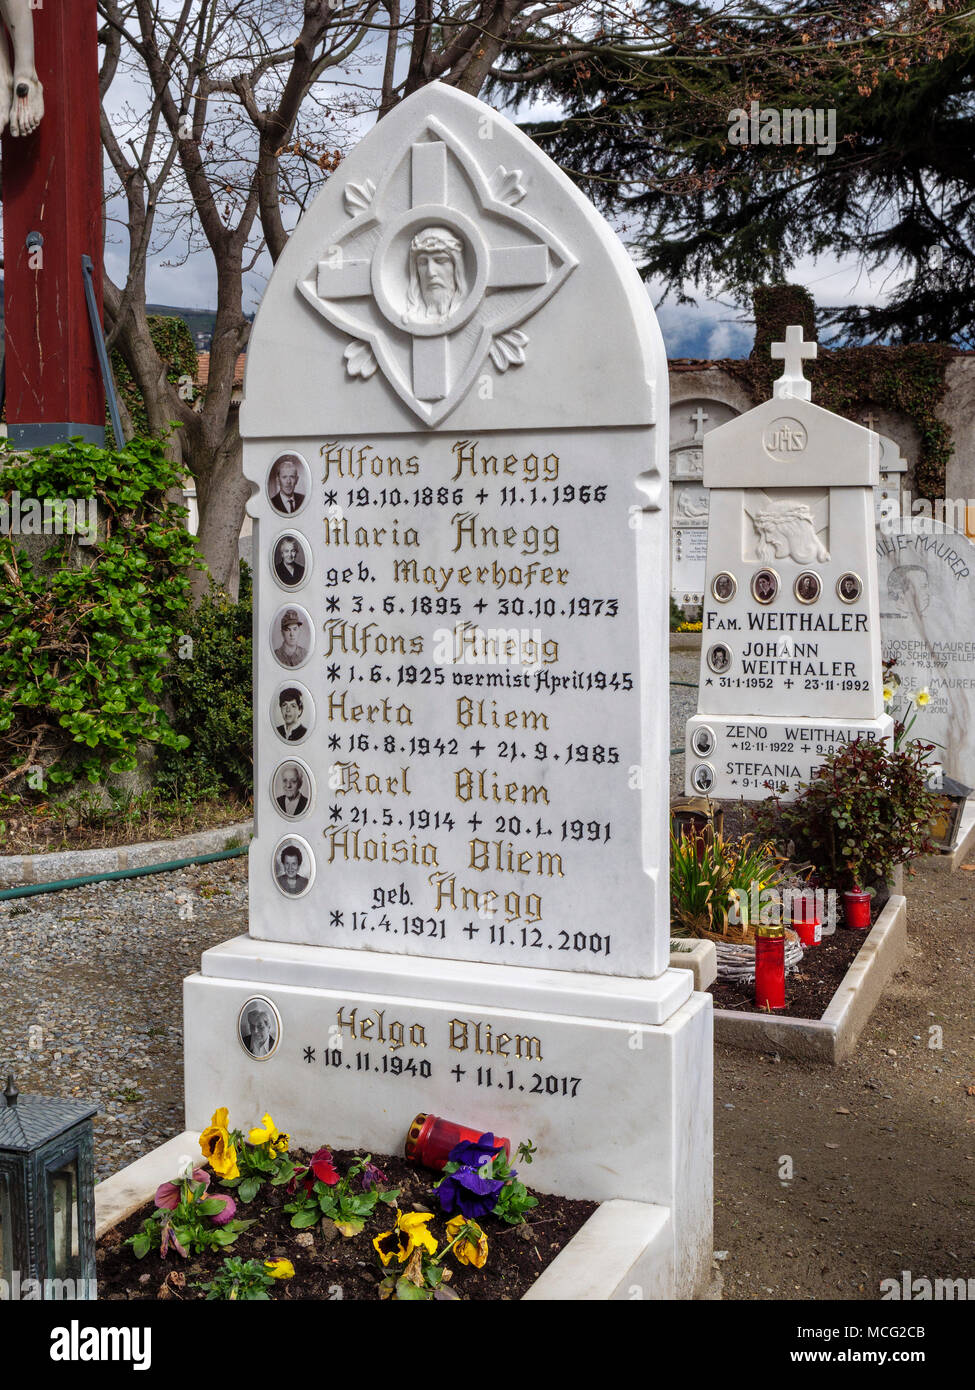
17 870
623 1245
833 1037
685 641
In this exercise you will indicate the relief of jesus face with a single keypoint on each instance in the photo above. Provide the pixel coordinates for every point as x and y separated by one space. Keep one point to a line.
437 280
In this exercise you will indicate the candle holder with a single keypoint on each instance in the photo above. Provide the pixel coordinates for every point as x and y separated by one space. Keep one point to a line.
430 1140
805 919
770 967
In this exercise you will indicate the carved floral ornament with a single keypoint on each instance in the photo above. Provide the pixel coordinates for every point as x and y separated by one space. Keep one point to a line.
436 270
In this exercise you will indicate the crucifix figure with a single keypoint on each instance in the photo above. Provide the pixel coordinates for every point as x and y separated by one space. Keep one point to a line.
792 384
21 94
699 418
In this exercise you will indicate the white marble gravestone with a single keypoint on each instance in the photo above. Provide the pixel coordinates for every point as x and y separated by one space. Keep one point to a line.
790 653
690 420
455 422
927 594
893 466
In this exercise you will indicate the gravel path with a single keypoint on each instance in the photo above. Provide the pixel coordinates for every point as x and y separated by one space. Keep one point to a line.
91 995
683 703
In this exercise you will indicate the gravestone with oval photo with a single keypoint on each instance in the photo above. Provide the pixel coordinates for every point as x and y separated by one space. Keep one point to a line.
456 414
790 649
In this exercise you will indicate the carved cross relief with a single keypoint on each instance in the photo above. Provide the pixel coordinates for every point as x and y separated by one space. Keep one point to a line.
436 270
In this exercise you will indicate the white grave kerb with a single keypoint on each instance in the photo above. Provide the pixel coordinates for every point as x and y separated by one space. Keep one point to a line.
790 659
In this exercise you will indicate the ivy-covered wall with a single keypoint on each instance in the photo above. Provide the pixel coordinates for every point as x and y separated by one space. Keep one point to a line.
173 341
909 379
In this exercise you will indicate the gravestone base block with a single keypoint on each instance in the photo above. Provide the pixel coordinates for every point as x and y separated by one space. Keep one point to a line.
553 1067
745 754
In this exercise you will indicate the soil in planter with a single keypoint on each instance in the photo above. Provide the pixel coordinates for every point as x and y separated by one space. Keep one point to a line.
330 1262
809 989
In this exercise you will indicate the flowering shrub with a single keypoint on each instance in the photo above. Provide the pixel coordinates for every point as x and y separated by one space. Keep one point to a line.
865 810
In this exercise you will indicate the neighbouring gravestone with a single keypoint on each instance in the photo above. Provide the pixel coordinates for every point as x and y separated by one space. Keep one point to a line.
790 652
927 591
455 421
893 466
689 421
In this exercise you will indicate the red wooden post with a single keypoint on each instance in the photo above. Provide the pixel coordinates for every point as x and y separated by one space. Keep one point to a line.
52 185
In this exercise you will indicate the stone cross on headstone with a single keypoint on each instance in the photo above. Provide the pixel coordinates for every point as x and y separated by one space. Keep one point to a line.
699 417
459 887
870 420
792 384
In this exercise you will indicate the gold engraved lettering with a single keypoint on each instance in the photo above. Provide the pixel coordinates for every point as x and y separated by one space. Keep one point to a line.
484 786
353 844
383 713
484 714
487 466
502 856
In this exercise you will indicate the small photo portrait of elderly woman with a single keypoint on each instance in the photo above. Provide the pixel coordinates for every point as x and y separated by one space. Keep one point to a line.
259 1028
290 560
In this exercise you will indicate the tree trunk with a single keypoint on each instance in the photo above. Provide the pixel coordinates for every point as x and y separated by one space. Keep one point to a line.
221 497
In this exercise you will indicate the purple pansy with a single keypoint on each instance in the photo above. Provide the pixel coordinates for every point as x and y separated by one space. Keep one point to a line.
372 1176
220 1218
474 1195
474 1155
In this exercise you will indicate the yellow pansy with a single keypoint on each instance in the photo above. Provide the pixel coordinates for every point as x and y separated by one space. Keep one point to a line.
413 1224
280 1269
409 1234
266 1133
466 1250
282 1144
216 1147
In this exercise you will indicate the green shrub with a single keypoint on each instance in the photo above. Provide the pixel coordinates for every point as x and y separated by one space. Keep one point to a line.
86 631
865 811
209 686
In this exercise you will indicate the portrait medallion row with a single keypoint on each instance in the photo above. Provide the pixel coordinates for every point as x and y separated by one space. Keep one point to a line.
766 585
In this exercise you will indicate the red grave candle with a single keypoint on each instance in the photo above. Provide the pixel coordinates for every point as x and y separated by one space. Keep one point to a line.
770 966
806 921
430 1140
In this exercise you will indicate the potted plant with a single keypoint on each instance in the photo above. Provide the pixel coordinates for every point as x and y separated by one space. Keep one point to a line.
865 811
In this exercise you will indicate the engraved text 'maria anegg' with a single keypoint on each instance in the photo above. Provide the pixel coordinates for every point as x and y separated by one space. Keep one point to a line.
436 270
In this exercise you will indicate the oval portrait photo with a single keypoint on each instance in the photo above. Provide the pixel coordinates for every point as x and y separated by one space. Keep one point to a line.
292 636
703 742
292 713
808 586
290 560
294 866
259 1028
849 587
765 586
702 778
724 586
288 484
719 658
292 789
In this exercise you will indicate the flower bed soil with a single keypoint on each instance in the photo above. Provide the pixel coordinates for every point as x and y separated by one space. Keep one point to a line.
330 1266
809 989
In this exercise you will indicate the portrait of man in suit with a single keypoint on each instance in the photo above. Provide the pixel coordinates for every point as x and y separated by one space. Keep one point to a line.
258 1029
291 704
292 799
290 880
286 484
289 561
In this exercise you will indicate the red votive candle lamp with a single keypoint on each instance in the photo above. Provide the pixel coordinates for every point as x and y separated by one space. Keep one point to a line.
806 921
856 908
770 966
430 1140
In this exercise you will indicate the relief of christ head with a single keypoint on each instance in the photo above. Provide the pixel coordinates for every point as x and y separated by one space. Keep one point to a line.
438 282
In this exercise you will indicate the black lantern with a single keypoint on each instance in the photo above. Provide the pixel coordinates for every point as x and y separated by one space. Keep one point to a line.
47 1196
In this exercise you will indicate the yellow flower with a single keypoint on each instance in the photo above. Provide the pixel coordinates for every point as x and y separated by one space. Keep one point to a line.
888 693
466 1250
216 1147
414 1226
280 1269
266 1135
923 696
282 1143
409 1234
